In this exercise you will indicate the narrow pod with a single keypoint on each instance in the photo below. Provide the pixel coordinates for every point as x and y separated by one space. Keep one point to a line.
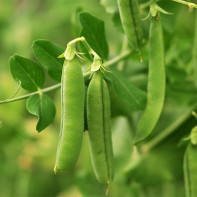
156 82
99 128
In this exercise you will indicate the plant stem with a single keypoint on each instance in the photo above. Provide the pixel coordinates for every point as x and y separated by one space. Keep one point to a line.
90 50
116 59
166 132
189 4
111 62
145 5
121 64
32 93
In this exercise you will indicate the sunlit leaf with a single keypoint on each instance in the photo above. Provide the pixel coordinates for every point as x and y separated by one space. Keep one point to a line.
42 106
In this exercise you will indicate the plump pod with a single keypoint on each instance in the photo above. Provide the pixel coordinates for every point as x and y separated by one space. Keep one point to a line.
99 128
130 18
156 82
72 115
190 170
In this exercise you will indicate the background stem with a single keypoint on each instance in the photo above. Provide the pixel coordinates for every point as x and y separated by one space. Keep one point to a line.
169 130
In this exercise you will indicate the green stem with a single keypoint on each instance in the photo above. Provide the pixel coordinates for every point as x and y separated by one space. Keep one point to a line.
166 132
116 59
121 64
111 62
32 93
90 50
189 4
145 5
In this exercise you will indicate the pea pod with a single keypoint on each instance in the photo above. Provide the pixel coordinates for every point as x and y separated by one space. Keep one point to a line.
156 82
99 128
72 115
130 18
194 56
190 170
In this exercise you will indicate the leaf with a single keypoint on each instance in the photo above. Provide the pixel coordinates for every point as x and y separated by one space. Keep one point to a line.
94 32
169 166
46 53
117 21
43 107
117 105
133 96
28 72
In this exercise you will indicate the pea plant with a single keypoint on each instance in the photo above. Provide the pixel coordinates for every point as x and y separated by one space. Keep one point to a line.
145 98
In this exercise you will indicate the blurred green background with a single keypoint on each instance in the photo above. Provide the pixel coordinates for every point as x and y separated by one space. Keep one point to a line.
27 158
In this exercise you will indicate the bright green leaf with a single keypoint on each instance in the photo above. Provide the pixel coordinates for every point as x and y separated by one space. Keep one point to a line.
133 96
46 53
43 107
94 32
28 72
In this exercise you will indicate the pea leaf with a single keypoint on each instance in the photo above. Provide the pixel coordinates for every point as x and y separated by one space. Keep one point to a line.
94 31
169 166
43 107
47 53
28 72
133 96
117 22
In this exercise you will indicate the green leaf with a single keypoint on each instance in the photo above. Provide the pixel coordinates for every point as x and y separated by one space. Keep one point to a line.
117 21
47 53
28 72
118 106
168 160
94 32
133 96
43 107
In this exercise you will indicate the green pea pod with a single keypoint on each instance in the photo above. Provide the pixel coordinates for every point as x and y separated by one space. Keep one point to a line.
72 115
194 54
190 171
156 82
85 110
99 128
130 18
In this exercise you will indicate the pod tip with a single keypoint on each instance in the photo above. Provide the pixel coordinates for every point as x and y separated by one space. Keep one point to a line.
55 169
107 190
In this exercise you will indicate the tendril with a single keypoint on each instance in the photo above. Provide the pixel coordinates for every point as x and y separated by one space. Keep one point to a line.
15 93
